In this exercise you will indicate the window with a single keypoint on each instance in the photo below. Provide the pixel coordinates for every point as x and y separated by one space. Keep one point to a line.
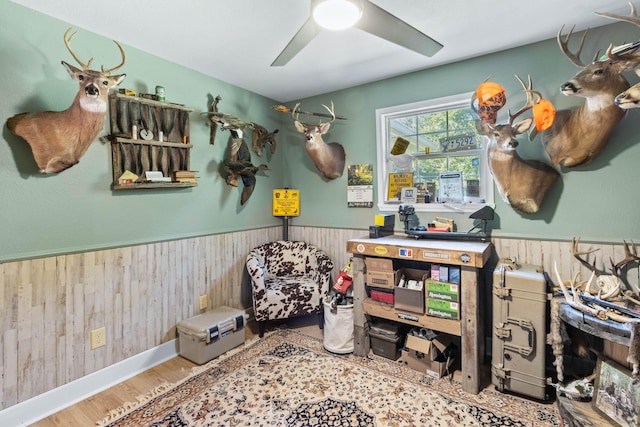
436 150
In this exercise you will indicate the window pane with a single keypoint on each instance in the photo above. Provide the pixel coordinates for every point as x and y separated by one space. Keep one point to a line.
440 137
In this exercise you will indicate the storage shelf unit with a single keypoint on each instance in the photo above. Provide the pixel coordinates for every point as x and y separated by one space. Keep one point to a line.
470 256
130 151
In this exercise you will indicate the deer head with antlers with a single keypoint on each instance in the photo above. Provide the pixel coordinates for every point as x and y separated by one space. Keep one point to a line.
58 139
328 158
630 98
578 135
521 183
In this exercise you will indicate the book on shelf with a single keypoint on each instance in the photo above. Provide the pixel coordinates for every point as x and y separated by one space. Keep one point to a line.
177 175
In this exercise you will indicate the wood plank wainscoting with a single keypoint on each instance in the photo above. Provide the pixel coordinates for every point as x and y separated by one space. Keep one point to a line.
139 293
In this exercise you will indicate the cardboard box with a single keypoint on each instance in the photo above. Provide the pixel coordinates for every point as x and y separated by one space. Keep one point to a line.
433 357
208 335
454 274
410 299
380 273
444 309
444 273
443 291
435 271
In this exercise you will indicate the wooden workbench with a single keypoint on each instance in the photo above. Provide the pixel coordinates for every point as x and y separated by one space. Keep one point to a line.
470 256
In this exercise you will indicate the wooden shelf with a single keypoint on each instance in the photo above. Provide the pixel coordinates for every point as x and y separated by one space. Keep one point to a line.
153 185
153 102
122 140
130 152
389 312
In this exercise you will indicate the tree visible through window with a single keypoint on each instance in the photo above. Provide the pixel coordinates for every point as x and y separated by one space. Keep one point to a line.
431 140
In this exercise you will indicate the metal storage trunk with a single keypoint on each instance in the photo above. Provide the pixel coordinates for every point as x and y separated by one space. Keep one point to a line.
208 335
521 295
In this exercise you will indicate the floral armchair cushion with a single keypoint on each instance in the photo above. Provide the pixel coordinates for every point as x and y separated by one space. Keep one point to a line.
288 279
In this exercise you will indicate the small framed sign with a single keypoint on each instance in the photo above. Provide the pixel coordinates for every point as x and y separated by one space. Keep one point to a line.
409 195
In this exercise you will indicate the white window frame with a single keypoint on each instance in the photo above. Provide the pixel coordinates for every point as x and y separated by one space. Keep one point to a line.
383 115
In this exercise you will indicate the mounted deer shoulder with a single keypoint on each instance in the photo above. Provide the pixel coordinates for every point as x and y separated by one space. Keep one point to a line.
58 139
630 98
328 158
578 135
522 183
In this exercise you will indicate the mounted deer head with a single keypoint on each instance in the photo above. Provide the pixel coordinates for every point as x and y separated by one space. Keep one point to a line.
630 98
328 158
59 139
521 183
578 135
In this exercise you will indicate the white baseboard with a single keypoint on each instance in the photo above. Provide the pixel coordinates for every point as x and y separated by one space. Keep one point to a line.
50 402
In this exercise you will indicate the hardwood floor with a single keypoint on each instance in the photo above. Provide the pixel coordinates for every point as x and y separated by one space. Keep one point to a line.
95 408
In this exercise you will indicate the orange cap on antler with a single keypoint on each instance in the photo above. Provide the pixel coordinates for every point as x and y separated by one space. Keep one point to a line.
543 114
491 98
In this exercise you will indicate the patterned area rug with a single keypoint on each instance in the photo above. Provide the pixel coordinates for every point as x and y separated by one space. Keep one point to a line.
289 379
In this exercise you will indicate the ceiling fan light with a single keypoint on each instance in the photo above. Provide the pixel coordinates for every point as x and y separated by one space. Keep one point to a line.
337 14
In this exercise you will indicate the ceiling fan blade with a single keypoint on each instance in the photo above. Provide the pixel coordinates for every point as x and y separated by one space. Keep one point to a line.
305 34
383 24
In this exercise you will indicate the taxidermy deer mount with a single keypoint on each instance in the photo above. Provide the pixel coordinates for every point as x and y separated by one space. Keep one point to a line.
521 183
59 139
630 98
578 135
328 158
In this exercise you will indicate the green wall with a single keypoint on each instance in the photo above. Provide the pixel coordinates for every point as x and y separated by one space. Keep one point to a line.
597 202
76 209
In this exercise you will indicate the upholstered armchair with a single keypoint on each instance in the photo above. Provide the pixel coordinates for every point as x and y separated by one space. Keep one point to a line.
288 279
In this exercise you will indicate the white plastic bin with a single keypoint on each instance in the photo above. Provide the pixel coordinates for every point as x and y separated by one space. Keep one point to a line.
338 328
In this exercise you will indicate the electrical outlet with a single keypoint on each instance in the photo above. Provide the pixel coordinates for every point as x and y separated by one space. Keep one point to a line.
204 302
98 338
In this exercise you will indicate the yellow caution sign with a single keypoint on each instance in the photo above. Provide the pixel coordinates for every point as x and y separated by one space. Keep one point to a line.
286 202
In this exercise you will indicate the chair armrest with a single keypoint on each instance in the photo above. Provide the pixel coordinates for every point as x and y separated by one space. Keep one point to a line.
256 270
323 272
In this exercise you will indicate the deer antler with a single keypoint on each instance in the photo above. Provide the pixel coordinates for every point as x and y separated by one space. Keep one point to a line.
564 46
577 255
117 67
528 104
294 113
631 254
331 111
632 18
628 55
67 41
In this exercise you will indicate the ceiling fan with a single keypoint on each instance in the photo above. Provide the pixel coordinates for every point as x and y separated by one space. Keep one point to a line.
367 17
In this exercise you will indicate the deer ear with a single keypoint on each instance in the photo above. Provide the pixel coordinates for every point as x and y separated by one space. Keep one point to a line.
483 128
116 80
301 127
73 71
324 128
523 126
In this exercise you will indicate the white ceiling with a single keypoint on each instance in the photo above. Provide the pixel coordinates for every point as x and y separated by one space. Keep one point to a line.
237 40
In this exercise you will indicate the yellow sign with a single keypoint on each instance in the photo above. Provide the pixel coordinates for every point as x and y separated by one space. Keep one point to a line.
286 202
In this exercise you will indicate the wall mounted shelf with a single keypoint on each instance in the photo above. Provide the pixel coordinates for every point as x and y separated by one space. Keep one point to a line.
148 135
